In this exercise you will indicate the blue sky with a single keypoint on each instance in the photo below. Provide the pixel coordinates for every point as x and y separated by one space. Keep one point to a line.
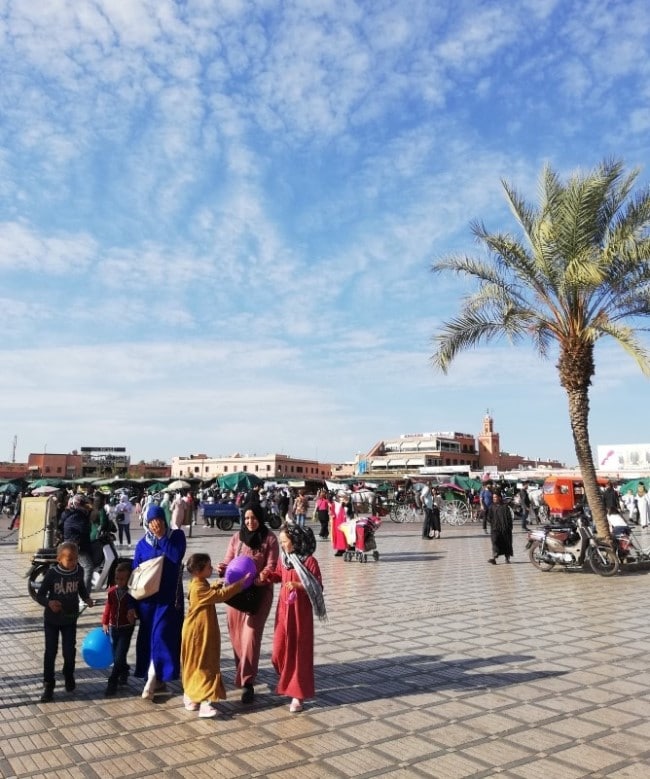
217 218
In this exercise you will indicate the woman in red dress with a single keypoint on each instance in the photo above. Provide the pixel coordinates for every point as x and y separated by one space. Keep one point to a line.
301 594
341 511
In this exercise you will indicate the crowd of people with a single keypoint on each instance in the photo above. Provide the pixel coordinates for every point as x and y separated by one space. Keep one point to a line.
171 644
178 635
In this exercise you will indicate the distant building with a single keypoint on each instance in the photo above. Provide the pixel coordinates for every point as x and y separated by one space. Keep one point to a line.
13 470
414 453
156 469
54 466
100 462
104 461
268 467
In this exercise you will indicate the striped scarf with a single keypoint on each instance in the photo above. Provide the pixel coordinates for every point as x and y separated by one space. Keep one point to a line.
311 585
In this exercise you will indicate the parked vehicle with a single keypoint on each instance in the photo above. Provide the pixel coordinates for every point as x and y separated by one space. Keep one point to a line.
103 574
225 515
570 544
565 494
629 549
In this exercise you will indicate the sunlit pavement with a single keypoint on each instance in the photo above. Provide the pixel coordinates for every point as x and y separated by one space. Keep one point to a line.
433 663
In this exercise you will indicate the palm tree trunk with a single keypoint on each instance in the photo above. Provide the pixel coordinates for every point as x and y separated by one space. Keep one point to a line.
579 418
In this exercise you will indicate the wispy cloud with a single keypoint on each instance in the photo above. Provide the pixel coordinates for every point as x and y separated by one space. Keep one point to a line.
231 207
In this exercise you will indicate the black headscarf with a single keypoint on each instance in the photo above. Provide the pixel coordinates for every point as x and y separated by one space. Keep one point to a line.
254 539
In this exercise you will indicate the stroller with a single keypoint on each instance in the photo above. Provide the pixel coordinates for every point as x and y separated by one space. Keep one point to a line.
360 537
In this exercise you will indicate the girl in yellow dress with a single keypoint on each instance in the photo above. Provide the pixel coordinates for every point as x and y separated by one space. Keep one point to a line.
201 639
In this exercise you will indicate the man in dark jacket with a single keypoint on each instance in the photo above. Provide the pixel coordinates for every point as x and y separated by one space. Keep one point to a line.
75 525
610 499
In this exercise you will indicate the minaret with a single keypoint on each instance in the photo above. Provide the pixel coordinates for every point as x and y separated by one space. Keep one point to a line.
489 448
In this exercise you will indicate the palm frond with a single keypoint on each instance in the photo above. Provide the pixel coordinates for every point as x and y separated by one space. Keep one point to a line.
625 337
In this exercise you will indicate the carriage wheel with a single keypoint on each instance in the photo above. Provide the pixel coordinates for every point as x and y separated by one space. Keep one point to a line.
456 512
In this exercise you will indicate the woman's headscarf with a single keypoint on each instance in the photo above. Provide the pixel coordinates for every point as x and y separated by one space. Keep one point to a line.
154 512
254 538
304 545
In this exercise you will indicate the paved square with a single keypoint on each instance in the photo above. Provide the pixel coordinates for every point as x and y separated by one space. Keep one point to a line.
433 664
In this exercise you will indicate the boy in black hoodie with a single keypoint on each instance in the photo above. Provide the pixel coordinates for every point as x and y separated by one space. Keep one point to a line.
62 587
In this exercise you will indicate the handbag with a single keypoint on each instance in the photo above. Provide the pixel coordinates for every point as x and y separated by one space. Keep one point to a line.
247 600
145 579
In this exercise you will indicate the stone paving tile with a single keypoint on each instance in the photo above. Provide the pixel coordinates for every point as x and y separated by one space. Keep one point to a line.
466 674
361 762
547 768
451 765
499 753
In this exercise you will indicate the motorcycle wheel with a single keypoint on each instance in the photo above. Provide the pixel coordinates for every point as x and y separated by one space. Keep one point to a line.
35 579
603 561
535 558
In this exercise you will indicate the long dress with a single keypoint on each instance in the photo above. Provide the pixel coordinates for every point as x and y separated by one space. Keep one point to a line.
500 518
201 641
245 629
293 638
339 516
161 614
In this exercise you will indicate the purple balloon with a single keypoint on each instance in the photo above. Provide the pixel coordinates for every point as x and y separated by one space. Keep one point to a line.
238 567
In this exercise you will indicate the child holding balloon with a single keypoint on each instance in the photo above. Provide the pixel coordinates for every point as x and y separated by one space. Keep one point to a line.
60 591
118 621
201 638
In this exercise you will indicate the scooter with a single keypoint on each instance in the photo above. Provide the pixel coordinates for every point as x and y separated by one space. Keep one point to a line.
571 544
103 573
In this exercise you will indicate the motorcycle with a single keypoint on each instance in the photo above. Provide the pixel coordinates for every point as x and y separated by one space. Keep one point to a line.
571 544
105 560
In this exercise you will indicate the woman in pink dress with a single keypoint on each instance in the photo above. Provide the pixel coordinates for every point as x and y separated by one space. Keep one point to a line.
254 540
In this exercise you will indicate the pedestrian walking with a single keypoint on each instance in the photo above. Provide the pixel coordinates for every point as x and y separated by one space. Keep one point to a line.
59 593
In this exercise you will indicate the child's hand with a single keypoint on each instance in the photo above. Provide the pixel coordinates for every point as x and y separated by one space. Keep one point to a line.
106 629
131 616
291 586
55 606
220 569
246 579
89 602
262 577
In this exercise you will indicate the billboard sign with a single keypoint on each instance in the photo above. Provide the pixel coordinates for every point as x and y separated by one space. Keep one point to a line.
624 457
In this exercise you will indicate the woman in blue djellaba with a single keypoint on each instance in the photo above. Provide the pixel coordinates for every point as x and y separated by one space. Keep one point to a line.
158 646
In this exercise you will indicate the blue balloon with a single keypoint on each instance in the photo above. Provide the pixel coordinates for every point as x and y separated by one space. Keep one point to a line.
238 567
97 650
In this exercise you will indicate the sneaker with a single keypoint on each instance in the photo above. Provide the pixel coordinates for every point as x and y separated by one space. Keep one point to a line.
111 688
190 705
207 710
248 694
295 706
147 693
48 693
492 560
70 684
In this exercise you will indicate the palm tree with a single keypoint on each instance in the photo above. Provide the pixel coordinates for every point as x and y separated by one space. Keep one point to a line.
578 272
